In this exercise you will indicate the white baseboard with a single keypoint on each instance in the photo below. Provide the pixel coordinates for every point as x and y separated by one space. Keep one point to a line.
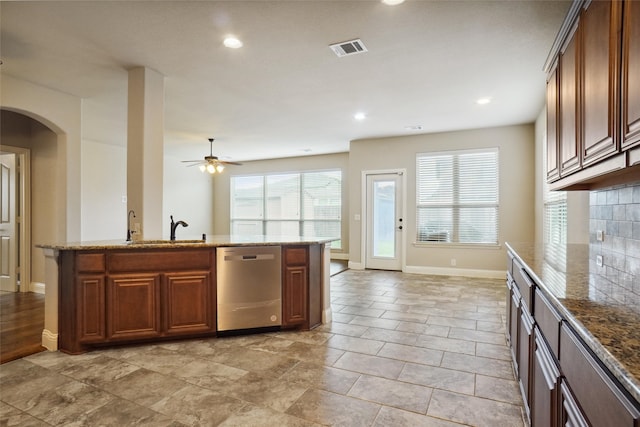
327 315
340 256
37 287
464 272
49 340
355 265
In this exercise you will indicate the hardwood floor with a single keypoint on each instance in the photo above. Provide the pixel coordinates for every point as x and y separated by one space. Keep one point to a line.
21 324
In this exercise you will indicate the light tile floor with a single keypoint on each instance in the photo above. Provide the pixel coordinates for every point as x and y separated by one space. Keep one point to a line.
402 350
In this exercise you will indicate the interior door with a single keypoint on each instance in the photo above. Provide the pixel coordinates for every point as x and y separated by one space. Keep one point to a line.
8 260
384 222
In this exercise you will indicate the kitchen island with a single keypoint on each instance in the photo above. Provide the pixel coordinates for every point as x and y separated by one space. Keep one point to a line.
104 293
573 328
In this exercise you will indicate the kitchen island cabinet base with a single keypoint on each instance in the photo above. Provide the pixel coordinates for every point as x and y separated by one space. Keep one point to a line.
111 297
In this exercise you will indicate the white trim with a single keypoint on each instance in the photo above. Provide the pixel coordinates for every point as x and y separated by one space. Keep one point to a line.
363 214
355 265
49 340
461 272
37 287
327 315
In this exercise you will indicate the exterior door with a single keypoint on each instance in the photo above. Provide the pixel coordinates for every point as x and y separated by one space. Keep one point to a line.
8 242
384 221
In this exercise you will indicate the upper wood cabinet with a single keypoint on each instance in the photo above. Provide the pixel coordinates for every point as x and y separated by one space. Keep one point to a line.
553 172
593 106
600 39
568 93
630 72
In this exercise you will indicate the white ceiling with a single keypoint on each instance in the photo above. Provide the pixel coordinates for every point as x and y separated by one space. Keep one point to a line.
285 93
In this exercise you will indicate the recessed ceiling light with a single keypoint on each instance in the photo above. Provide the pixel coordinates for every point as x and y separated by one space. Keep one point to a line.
483 101
360 116
232 42
392 2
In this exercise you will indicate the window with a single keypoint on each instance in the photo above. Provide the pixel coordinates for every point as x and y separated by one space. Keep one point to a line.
457 197
305 204
555 217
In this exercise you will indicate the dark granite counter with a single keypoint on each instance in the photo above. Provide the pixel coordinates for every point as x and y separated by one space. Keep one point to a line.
210 241
603 308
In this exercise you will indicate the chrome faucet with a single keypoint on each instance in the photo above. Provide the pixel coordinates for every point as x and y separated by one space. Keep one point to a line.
131 212
175 225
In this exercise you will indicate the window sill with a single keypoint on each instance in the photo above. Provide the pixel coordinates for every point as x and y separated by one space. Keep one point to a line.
457 245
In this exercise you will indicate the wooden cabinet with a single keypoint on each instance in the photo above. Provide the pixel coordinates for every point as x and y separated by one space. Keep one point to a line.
596 98
600 37
302 286
553 172
189 303
90 291
562 381
569 152
601 400
135 295
630 72
133 306
546 381
295 296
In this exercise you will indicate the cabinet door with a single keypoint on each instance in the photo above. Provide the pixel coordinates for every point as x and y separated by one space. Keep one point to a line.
189 303
568 84
546 377
601 25
133 306
600 398
90 316
525 339
294 296
553 172
570 416
630 73
514 327
508 305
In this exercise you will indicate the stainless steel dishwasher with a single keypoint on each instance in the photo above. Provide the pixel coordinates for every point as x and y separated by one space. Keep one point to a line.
249 287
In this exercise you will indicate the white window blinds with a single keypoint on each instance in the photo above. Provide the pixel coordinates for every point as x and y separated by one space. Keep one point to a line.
458 196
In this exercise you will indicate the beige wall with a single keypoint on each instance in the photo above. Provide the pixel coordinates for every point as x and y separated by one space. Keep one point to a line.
221 184
516 146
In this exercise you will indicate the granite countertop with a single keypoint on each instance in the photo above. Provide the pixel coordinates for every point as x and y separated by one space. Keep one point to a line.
211 241
602 308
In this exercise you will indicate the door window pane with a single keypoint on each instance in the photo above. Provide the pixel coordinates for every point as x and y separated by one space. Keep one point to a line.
384 219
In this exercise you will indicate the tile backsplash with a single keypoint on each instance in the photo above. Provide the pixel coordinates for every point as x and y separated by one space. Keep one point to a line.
616 212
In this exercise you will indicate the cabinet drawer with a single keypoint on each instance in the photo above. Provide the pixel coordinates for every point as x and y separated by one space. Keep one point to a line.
295 256
548 321
90 263
524 284
160 260
601 399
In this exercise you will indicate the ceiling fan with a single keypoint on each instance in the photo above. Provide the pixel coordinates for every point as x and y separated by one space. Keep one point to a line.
210 163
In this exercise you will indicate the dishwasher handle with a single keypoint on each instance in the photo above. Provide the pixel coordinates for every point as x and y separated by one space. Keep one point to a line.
257 257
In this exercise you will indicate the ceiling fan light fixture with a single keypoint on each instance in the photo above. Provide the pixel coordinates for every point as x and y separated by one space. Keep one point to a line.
219 168
202 168
211 169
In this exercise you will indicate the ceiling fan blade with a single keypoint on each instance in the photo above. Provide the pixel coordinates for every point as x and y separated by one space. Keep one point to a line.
229 163
191 161
196 164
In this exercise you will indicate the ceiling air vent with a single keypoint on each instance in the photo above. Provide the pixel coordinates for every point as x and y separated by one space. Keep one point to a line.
350 47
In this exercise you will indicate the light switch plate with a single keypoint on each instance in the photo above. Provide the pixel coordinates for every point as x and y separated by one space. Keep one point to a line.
599 235
599 260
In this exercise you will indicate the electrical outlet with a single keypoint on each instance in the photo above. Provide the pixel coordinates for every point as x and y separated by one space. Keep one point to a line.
599 235
599 260
124 199
453 262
